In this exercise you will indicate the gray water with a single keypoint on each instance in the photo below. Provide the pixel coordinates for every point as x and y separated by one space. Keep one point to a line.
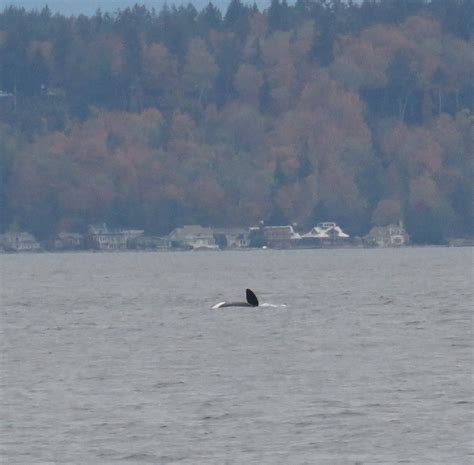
363 357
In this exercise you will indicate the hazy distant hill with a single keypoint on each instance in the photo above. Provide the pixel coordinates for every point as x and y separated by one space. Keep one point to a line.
311 111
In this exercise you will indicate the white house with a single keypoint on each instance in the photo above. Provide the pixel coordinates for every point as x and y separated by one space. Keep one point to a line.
68 241
281 237
193 237
19 242
101 238
387 236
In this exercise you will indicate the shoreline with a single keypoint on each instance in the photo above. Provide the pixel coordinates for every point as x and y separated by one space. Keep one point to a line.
236 249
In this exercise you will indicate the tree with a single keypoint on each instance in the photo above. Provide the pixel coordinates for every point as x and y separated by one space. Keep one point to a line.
248 82
237 18
279 16
10 145
200 70
160 73
209 18
388 211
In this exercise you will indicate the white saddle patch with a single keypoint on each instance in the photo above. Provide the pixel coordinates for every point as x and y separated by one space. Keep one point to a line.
218 305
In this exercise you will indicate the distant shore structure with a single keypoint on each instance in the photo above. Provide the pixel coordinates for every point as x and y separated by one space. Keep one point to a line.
101 238
388 236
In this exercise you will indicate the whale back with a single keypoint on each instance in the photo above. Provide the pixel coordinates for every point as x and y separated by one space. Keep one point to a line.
232 304
252 301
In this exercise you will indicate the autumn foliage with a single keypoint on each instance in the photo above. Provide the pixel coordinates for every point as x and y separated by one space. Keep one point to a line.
360 114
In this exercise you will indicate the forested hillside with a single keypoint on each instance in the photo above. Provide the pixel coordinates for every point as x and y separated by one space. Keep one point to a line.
322 110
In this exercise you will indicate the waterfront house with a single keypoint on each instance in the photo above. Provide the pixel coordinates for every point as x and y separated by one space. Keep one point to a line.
69 241
149 243
281 237
387 236
325 233
19 242
100 237
193 237
327 230
231 238
460 241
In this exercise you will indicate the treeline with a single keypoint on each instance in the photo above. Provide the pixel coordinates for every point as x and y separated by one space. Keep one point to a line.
321 110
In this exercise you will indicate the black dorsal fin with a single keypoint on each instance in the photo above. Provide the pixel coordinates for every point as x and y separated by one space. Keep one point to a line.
251 298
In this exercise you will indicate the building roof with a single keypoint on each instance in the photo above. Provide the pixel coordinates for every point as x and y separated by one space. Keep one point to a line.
230 231
280 231
325 231
391 229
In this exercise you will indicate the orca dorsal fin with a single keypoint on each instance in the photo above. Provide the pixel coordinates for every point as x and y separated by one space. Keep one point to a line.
251 298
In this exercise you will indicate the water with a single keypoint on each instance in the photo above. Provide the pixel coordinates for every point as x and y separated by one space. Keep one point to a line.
362 357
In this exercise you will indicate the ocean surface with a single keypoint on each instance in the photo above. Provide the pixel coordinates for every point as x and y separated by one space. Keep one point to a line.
356 357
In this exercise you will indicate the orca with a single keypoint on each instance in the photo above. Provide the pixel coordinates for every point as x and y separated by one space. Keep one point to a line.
252 301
